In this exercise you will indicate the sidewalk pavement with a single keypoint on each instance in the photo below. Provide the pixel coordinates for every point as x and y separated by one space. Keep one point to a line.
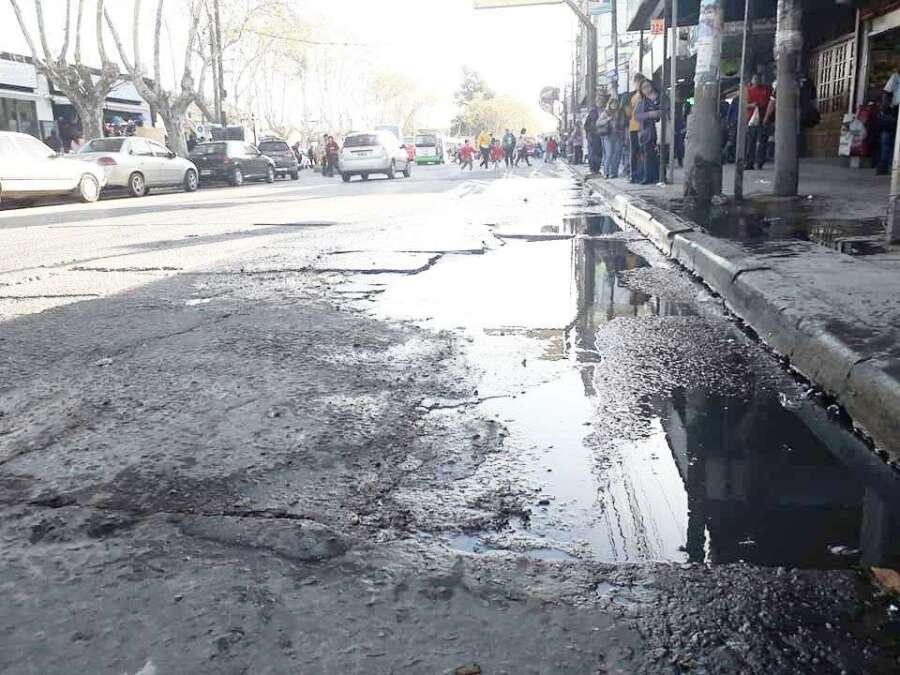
836 317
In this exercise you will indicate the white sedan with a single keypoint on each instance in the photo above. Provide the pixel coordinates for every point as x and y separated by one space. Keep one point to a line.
138 164
365 153
29 169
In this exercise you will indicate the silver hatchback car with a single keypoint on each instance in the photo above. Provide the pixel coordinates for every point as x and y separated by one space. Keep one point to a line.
139 164
365 153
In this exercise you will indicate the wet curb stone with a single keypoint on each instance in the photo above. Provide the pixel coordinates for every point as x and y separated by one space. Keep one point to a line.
863 373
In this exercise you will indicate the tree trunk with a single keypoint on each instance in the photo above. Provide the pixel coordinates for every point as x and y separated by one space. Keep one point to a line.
788 46
703 144
90 112
174 121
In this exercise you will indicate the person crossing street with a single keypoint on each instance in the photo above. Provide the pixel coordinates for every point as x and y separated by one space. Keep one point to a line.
509 148
484 147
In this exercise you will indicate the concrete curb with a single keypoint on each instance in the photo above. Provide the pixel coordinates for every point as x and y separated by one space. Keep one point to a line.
864 375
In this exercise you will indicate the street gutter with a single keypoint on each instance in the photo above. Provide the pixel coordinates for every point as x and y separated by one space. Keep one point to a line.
862 373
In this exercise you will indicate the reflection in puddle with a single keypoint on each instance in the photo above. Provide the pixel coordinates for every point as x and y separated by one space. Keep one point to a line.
704 477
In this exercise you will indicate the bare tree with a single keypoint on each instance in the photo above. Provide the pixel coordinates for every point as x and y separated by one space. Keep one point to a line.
172 106
76 80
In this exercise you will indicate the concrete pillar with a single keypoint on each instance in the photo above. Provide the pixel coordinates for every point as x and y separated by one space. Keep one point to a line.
703 151
788 48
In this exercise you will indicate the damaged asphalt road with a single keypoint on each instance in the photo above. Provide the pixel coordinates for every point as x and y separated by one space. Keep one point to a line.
462 421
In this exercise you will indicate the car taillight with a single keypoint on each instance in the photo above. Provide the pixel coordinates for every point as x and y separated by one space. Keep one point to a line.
107 161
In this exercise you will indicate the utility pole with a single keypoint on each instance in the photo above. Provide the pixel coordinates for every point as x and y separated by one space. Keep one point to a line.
663 122
893 212
614 36
673 83
221 93
788 46
703 152
746 63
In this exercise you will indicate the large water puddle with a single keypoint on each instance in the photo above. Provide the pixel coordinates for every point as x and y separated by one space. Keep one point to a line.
631 460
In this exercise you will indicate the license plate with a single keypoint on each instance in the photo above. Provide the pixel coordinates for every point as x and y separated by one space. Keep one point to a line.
362 153
206 172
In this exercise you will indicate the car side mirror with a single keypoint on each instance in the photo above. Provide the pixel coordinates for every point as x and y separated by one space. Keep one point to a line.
171 155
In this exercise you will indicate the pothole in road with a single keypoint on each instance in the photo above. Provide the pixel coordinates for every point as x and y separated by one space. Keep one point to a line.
643 425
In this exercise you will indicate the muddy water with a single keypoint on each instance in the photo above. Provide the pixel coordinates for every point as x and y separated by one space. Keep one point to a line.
642 423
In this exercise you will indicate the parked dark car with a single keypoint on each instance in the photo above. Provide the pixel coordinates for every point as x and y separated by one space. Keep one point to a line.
232 161
281 153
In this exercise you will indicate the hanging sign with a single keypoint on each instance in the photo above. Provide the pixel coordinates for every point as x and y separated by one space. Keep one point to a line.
598 7
657 26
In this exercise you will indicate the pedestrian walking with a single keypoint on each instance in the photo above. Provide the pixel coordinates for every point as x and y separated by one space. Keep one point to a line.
552 150
634 128
613 121
484 147
496 153
522 149
648 113
758 97
509 148
466 156
331 157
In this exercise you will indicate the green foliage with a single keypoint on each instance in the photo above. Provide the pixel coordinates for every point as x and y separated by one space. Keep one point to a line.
472 88
493 115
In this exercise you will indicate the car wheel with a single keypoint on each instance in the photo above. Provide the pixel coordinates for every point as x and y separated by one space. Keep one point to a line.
88 188
346 177
137 185
295 174
392 171
270 175
237 177
191 182
408 170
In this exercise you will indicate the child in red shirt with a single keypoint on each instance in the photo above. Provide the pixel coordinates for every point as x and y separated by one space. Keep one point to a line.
466 154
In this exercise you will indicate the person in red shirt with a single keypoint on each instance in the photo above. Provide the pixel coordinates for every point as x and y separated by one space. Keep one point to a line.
466 155
496 153
758 97
552 150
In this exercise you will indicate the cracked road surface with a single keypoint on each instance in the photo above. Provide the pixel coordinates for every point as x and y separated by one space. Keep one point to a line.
410 427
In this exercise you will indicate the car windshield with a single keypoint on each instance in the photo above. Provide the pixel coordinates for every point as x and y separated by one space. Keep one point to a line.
24 145
426 140
103 145
210 149
273 146
360 140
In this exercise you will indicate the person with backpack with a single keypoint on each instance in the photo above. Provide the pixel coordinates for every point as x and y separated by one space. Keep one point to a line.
648 113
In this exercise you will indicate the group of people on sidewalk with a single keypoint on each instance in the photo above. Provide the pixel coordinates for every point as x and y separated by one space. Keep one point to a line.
613 125
509 149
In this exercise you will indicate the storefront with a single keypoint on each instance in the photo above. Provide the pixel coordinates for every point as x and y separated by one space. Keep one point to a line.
22 107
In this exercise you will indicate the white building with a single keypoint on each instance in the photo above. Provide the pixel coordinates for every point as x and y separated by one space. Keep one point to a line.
30 104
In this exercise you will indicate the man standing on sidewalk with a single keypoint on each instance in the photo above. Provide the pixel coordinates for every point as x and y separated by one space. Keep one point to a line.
634 128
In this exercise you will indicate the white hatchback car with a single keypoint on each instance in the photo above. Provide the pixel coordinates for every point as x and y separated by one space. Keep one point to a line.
368 152
139 164
29 169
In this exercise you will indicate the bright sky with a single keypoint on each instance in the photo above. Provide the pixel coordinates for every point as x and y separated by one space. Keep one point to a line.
517 51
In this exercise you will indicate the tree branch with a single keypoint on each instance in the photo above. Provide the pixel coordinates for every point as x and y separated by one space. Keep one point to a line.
31 46
78 24
157 72
42 31
65 48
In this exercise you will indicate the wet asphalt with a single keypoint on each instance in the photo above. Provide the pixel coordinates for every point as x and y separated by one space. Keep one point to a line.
409 426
